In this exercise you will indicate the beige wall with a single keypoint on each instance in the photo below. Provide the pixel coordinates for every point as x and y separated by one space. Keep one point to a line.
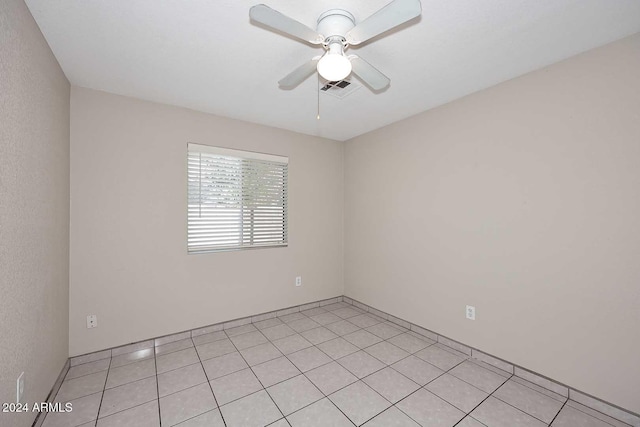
34 211
129 262
523 200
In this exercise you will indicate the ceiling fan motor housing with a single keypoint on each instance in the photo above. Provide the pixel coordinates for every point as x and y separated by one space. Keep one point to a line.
335 23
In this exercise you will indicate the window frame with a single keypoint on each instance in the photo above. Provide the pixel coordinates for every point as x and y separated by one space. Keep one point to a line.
248 161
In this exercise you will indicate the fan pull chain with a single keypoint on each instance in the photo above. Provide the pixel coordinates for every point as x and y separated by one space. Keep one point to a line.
318 116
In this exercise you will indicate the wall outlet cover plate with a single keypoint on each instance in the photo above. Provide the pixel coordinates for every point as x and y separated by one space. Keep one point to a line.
20 388
92 321
471 312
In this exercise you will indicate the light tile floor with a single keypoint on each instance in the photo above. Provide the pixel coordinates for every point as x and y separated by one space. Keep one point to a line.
328 367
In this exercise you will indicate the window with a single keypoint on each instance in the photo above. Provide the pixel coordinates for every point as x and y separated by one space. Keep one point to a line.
237 199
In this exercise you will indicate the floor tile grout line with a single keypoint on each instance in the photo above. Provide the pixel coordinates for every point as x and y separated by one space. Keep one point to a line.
489 367
257 378
477 388
325 396
104 389
66 380
561 408
391 365
77 398
249 366
170 352
474 408
379 413
469 416
451 349
58 392
155 352
373 389
89 361
483 400
175 369
200 344
306 348
586 413
421 386
126 409
210 387
465 417
424 387
406 397
214 357
595 410
302 407
357 380
152 357
308 379
522 410
301 373
186 388
131 382
155 365
518 409
467 382
364 349
132 362
372 373
563 398
277 421
81 376
196 416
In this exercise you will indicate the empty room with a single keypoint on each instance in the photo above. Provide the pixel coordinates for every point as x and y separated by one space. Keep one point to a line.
385 213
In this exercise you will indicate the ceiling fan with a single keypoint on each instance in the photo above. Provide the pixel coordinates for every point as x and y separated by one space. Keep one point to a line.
335 32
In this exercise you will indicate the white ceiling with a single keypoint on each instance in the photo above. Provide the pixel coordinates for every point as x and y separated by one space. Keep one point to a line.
206 55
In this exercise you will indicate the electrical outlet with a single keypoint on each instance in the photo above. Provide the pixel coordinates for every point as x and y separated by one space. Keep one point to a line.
92 321
299 281
20 388
471 312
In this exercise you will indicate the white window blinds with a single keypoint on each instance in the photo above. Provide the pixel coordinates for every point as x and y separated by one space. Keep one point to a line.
237 199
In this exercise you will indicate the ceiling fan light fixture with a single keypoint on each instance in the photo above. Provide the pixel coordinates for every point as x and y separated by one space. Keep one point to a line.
336 31
334 65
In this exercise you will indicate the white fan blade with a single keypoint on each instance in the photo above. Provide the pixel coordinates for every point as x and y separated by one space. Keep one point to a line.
300 74
368 73
272 18
395 13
